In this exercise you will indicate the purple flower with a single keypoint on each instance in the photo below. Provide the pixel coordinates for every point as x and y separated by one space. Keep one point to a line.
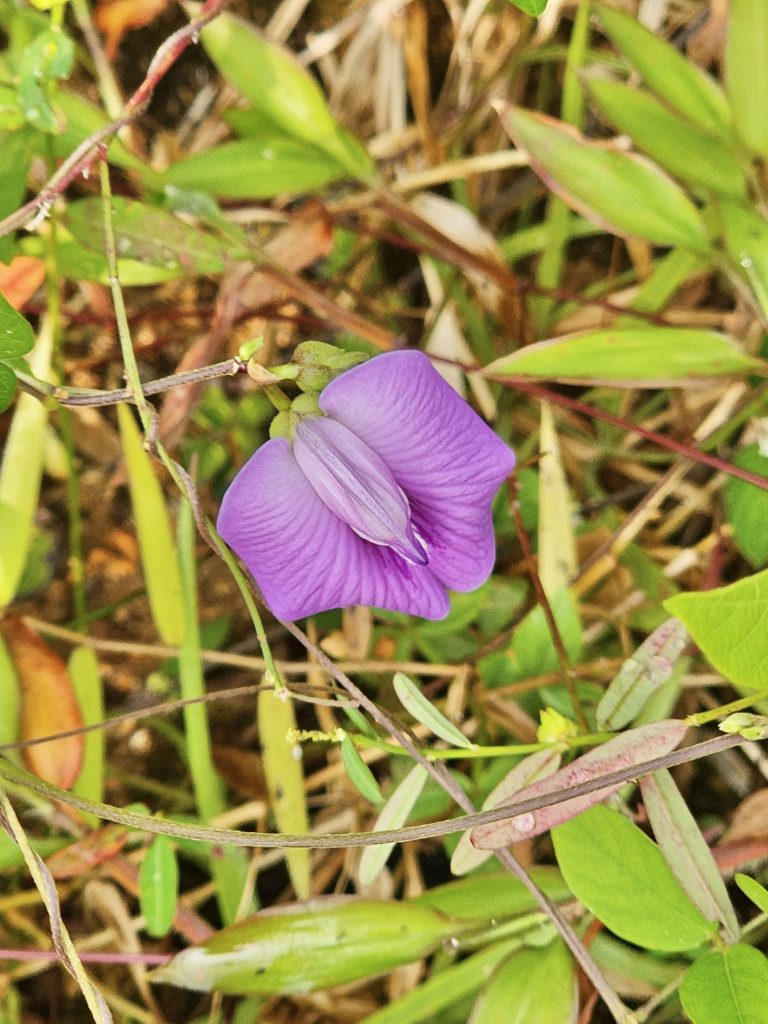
384 500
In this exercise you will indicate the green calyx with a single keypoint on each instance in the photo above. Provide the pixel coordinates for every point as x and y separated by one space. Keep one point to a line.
286 421
315 363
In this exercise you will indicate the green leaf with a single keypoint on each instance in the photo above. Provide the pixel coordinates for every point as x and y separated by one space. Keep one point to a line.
159 886
753 891
393 814
7 386
281 90
20 474
16 151
679 82
150 235
686 851
530 985
360 775
83 118
444 989
532 651
305 946
730 626
620 875
727 986
424 711
746 60
156 547
746 507
695 156
631 356
745 233
250 169
10 701
494 895
285 779
83 668
623 192
532 7
16 335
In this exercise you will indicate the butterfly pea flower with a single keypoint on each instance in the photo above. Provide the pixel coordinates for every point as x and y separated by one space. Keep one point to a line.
381 495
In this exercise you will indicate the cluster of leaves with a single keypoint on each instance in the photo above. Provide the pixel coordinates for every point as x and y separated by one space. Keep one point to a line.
693 185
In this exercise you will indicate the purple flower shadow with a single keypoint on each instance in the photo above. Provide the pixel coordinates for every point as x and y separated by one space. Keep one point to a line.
385 500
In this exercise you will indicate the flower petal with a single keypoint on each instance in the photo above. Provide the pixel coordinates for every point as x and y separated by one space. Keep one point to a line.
447 460
356 485
304 558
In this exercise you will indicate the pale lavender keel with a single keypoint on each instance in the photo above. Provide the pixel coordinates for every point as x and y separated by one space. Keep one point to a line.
385 500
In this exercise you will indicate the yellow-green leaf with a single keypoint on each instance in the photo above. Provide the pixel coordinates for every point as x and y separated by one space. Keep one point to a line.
153 527
21 472
285 779
629 356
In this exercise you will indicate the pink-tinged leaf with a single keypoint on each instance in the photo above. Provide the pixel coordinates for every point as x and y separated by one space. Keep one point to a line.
48 706
531 769
641 675
625 751
686 851
623 192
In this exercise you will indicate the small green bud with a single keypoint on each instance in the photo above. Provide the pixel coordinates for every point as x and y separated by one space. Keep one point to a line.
249 349
306 405
751 727
283 425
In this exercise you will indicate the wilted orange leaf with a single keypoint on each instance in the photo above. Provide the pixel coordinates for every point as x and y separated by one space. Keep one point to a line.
48 705
115 17
20 279
88 852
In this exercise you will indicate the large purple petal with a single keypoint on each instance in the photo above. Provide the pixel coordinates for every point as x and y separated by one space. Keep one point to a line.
304 558
447 460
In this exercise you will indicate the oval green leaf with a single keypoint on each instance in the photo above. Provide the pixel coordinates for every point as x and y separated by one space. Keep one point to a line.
7 386
283 91
16 335
530 985
753 891
746 507
159 886
424 711
621 876
251 169
721 621
360 775
148 234
727 986
679 82
623 192
629 356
